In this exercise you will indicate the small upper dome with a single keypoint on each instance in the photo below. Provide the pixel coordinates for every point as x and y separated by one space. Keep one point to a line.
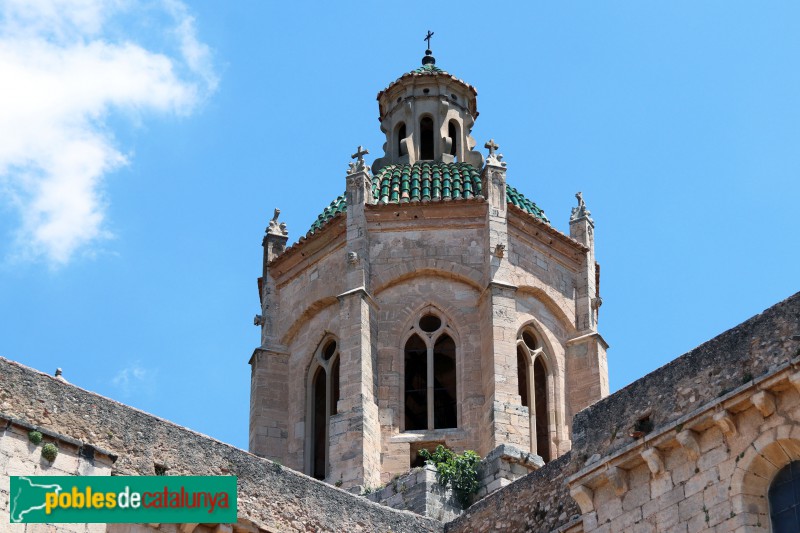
429 68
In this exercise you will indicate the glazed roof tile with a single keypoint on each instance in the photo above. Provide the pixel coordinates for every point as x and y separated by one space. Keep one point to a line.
430 67
427 181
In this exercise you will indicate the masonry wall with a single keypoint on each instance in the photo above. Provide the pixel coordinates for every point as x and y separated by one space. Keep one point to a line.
538 502
721 485
726 420
419 254
714 368
271 497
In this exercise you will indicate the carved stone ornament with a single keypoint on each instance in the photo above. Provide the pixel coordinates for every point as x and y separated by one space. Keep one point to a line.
655 463
275 227
764 402
358 165
494 158
688 439
584 496
581 211
352 258
618 479
726 423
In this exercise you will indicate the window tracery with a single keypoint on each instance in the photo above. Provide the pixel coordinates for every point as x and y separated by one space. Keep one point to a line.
323 396
534 390
430 378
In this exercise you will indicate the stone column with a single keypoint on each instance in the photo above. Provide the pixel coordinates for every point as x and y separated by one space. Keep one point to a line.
355 438
587 367
506 421
269 362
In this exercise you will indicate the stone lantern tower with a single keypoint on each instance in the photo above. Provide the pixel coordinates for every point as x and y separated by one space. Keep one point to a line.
431 303
427 115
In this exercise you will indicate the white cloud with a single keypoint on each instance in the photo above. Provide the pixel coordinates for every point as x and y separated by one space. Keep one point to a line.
65 66
135 379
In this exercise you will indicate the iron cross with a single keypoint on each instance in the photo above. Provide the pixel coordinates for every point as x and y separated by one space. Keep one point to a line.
360 153
491 145
428 38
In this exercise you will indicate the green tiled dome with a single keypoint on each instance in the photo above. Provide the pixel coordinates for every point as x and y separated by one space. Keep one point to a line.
430 67
515 197
427 181
334 208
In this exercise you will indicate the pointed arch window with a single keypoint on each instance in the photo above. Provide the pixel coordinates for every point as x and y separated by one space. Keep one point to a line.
430 382
323 395
534 390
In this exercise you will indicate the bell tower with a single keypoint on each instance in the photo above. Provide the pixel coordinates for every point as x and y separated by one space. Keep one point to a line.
427 115
431 303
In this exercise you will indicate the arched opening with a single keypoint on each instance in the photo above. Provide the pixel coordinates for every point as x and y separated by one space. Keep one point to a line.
426 139
401 134
452 132
322 395
784 499
335 387
416 384
522 376
319 442
529 340
430 375
329 350
444 383
542 415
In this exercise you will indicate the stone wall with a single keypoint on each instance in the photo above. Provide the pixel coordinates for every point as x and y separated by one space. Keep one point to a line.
714 368
271 497
709 472
503 465
725 419
404 258
419 492
538 502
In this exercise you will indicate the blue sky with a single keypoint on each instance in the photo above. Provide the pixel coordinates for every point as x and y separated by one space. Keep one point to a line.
143 147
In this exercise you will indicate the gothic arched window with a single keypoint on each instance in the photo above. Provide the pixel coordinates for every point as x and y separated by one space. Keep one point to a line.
426 139
430 382
784 499
323 395
532 380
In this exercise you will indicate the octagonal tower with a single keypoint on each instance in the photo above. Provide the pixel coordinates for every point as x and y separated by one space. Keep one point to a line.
431 303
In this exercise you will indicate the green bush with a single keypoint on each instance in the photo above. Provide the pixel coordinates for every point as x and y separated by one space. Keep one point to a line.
35 437
50 451
460 471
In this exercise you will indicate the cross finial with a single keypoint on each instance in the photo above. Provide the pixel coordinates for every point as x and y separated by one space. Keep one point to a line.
360 153
428 38
491 146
